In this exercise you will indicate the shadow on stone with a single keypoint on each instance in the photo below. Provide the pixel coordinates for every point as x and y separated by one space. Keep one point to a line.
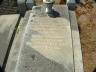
38 62
54 14
35 60
77 1
1 70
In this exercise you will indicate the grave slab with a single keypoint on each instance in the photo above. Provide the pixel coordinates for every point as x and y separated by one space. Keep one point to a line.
16 45
47 43
7 27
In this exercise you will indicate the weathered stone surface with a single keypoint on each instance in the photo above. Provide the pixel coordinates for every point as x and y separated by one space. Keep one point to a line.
47 45
7 27
15 49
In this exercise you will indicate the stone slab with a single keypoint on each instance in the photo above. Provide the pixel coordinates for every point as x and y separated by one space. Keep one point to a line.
7 27
47 44
78 63
15 49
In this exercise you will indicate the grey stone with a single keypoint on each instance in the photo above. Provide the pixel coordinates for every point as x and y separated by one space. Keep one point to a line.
7 27
71 4
30 3
14 53
22 6
78 63
47 44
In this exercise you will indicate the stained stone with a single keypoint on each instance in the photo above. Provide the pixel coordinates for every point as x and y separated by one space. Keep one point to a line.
7 27
47 45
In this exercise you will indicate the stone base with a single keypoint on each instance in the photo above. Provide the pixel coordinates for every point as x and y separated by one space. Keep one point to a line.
47 45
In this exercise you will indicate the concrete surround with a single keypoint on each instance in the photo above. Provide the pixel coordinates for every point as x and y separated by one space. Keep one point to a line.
30 57
78 63
45 43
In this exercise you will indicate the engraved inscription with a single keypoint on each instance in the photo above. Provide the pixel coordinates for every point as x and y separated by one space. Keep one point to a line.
51 34
51 39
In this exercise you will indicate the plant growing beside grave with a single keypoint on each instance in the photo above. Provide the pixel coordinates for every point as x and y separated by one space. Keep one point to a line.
40 1
18 28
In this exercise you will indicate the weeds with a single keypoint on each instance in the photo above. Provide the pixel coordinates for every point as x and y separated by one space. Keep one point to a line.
18 28
40 1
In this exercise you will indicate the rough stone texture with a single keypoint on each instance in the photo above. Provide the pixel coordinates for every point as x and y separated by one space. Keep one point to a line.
8 7
71 4
7 26
78 63
30 3
47 44
14 53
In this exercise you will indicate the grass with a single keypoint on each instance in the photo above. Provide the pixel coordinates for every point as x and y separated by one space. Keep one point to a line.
91 0
18 28
87 31
86 36
40 1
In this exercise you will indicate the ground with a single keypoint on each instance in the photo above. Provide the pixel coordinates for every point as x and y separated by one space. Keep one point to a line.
86 19
56 2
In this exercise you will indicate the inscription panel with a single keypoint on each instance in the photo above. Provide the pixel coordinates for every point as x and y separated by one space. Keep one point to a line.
53 33
52 39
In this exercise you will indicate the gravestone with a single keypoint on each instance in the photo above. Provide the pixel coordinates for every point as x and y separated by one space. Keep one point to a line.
47 44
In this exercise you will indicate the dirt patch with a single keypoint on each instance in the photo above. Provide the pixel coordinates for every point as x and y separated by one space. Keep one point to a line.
86 19
40 2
